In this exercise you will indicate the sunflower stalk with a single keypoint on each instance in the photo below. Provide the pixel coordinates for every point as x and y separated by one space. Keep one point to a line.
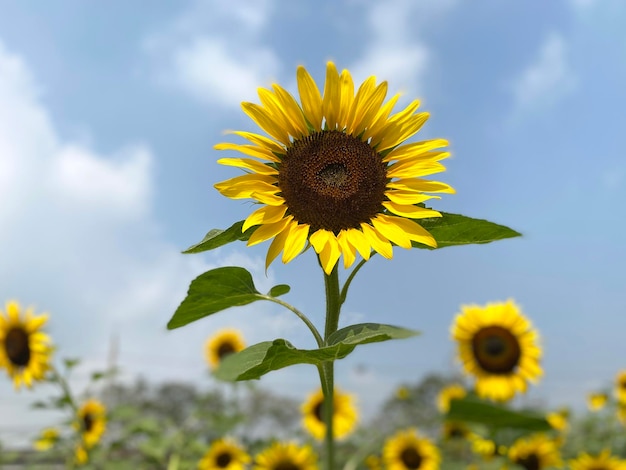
333 307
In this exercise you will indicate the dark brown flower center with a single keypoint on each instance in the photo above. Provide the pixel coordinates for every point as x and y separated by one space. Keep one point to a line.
225 349
411 458
88 422
530 462
496 350
17 347
287 465
332 181
318 411
223 459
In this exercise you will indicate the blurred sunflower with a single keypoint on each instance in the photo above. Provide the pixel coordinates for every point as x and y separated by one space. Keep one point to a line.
596 401
373 462
603 461
535 452
455 430
221 344
620 386
559 420
286 456
81 456
25 350
498 346
448 393
345 415
485 448
621 413
334 171
91 422
224 454
408 450
47 439
403 392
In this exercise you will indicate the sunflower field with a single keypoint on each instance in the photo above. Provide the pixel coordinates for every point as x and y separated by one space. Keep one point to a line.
336 171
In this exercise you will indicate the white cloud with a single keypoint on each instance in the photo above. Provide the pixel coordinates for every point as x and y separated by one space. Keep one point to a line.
214 51
547 79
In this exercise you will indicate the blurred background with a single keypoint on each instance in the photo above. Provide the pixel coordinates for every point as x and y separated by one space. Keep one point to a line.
108 117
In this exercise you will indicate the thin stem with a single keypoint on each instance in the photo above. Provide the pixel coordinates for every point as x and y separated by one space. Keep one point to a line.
344 290
301 316
333 306
65 388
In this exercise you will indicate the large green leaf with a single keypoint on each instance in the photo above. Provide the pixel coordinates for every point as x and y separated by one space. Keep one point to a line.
456 229
363 333
218 290
473 410
217 237
258 360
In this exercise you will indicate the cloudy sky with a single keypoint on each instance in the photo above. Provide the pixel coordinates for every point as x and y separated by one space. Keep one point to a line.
109 113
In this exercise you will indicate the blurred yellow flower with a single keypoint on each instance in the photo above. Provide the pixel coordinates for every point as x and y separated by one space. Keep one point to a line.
403 393
286 456
47 439
559 420
448 393
25 351
224 454
620 386
345 415
596 401
603 461
91 422
535 452
336 171
408 450
222 344
498 346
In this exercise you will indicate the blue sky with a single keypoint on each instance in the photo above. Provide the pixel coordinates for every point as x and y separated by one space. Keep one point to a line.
109 114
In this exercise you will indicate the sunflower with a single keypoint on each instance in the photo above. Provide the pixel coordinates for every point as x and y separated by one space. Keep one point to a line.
499 347
535 452
403 393
24 349
486 448
81 456
224 453
448 393
373 462
596 401
620 386
408 450
221 344
91 422
602 461
334 171
286 456
345 415
559 420
47 439
455 430
621 413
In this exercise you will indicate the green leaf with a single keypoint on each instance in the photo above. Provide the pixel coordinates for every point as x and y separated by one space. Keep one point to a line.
214 291
456 229
71 362
280 289
261 358
473 410
217 237
364 333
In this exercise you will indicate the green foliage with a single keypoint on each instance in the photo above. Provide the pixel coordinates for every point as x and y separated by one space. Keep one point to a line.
456 229
217 290
259 359
217 237
473 410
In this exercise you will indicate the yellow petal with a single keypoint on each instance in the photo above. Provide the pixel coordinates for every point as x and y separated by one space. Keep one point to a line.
418 184
276 112
249 164
268 198
241 187
397 134
277 245
410 211
413 169
267 231
295 241
310 98
362 94
411 229
380 244
251 150
326 246
292 111
391 231
358 240
346 86
422 149
365 116
266 122
348 251
380 120
332 96
408 196
264 215
261 141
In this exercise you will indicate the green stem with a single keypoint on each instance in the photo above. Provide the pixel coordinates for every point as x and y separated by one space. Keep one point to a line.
333 306
344 290
58 378
301 316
